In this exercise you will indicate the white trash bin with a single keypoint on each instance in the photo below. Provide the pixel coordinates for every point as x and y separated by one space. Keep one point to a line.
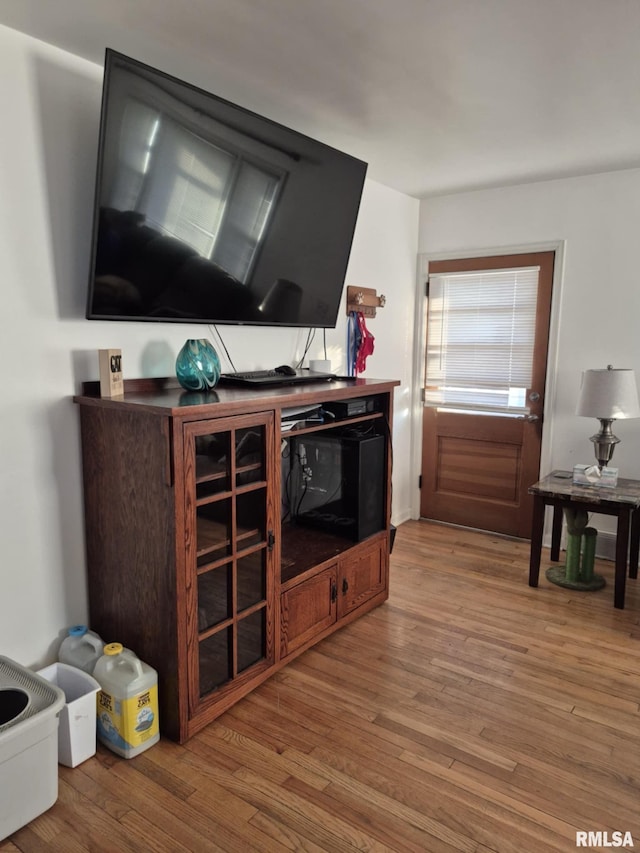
77 729
29 708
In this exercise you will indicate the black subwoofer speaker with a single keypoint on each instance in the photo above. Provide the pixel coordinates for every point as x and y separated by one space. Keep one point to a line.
364 481
339 483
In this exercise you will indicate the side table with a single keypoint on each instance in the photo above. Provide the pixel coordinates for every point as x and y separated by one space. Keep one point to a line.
557 490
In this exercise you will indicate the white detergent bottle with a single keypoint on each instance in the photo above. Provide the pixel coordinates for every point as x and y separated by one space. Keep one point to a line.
81 648
127 702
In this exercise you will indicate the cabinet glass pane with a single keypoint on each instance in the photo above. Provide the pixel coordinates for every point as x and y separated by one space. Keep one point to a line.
213 529
252 579
251 512
250 455
214 597
215 661
212 464
210 488
251 639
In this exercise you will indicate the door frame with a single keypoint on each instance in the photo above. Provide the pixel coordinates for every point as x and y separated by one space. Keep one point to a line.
420 338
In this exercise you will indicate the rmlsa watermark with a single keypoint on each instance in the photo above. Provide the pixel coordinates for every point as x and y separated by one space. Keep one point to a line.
604 839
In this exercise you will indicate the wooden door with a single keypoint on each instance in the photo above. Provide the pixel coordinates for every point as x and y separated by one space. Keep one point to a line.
477 467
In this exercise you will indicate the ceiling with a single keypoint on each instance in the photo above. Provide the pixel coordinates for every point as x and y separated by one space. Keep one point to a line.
438 96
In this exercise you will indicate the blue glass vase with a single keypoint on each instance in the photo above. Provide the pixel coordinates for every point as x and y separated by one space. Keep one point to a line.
198 365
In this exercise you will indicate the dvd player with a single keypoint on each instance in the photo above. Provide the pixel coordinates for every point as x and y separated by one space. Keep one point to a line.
351 408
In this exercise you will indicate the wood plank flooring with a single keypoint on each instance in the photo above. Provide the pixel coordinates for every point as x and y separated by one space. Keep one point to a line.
468 713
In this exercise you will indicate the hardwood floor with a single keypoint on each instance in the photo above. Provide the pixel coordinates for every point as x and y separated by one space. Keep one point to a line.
468 713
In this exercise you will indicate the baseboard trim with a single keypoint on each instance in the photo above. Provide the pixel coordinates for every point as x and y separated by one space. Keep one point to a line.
606 546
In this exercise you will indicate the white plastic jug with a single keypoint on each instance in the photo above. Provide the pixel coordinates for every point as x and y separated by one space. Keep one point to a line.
81 648
127 701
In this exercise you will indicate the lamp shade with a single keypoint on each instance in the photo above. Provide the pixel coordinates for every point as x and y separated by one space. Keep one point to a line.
608 393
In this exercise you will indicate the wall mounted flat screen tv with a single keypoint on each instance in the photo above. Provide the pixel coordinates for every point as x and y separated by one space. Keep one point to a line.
206 212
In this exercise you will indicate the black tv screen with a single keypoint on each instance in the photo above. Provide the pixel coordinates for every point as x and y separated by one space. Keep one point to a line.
206 212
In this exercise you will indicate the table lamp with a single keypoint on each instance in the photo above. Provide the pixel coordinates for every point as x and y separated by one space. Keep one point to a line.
609 394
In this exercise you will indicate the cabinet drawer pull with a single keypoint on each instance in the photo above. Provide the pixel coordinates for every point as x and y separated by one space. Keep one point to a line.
345 586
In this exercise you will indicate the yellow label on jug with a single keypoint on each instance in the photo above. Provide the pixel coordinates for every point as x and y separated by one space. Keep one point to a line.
128 723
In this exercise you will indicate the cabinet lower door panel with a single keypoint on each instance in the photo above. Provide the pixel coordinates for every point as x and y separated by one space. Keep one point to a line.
361 577
307 609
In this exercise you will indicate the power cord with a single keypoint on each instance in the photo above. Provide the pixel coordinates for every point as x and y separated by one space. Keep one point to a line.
311 333
214 330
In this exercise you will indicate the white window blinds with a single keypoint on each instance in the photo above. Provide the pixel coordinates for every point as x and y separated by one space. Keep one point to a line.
480 339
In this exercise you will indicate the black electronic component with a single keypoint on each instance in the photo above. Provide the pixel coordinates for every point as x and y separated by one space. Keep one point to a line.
337 483
206 212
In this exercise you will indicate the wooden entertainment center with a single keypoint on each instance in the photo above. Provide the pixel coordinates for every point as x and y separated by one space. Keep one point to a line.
197 558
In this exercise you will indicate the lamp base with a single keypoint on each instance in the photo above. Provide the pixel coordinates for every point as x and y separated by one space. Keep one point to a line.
604 442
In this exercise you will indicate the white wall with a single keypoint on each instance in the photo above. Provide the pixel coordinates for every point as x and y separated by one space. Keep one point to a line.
597 304
50 102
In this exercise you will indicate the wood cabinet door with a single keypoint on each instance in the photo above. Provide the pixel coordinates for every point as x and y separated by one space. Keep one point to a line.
229 523
361 577
307 609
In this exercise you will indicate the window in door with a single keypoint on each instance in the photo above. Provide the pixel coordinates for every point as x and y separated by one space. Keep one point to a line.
480 340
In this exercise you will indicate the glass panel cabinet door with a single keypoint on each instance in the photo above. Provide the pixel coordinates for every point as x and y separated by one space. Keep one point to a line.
229 477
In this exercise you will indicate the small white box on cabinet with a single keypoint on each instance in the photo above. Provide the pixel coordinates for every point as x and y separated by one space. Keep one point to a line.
110 364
